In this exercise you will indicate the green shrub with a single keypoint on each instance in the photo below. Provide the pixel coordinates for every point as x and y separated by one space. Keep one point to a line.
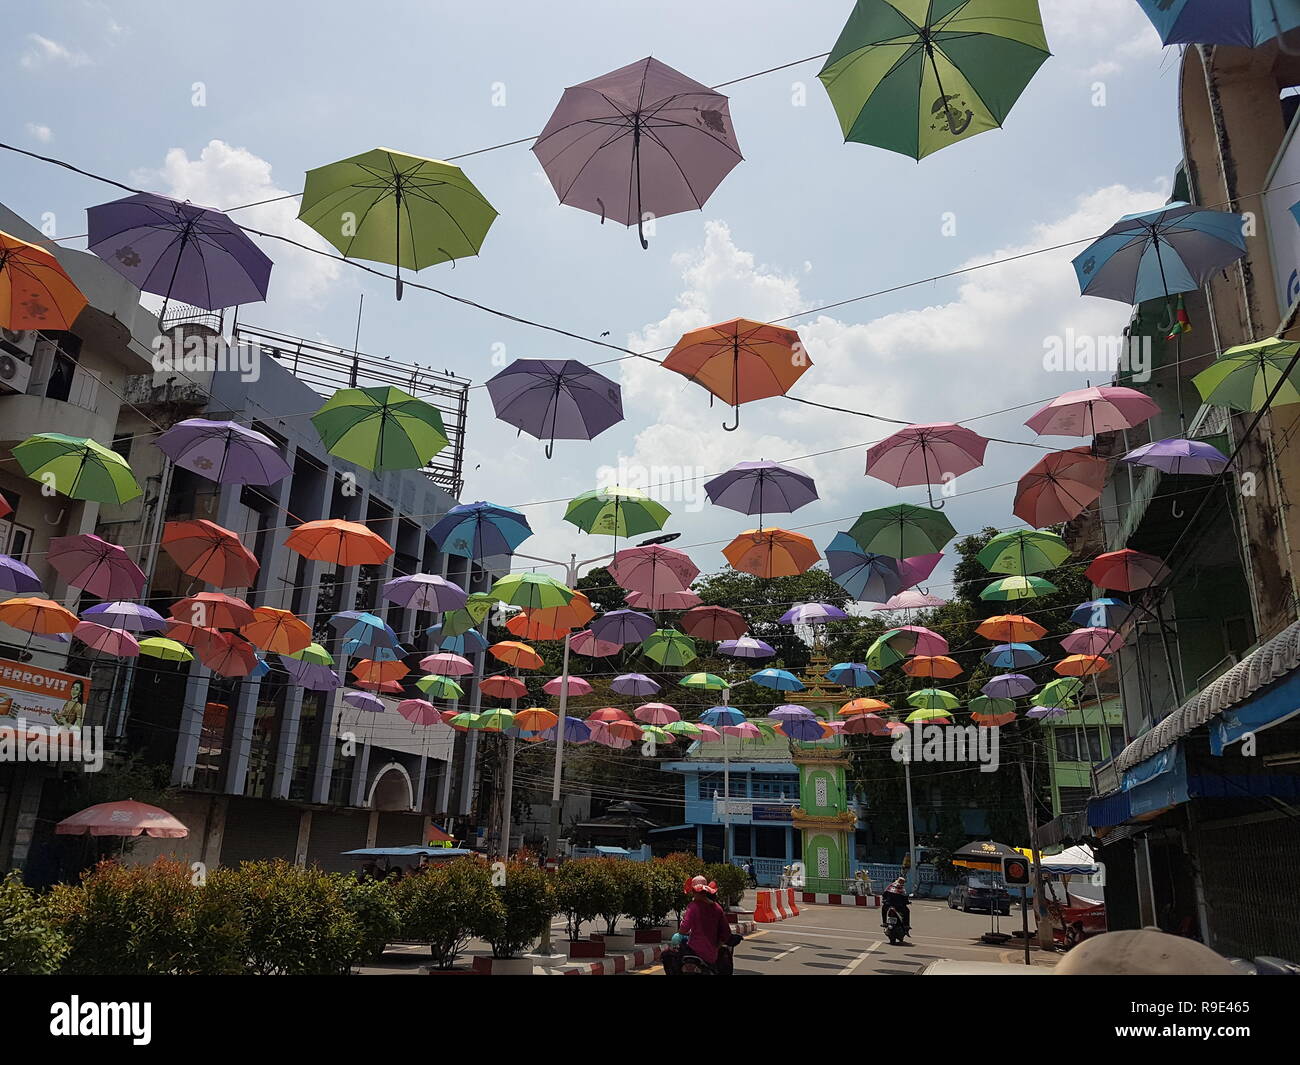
607 890
449 904
30 941
373 906
634 879
528 901
665 890
683 866
730 880
576 895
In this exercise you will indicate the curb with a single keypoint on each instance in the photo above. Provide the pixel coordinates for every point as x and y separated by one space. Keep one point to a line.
620 963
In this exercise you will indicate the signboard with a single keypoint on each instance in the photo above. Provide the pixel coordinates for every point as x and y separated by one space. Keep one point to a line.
771 812
724 808
1280 205
41 696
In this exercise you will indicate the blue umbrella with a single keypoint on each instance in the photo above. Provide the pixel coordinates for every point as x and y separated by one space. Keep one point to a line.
575 731
1154 254
803 728
376 652
467 643
722 715
633 684
1012 656
746 647
1101 613
260 668
480 530
852 675
867 577
1248 23
623 626
778 679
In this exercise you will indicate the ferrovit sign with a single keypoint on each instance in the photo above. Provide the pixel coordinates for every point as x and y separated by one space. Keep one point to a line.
40 696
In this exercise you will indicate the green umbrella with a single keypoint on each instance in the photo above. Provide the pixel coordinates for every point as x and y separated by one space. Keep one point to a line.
1023 551
682 728
439 687
476 608
403 210
927 714
881 656
902 531
914 76
616 512
532 591
77 467
496 718
1058 692
1242 377
313 654
991 706
1010 588
660 734
704 681
167 650
669 648
466 720
380 428
933 699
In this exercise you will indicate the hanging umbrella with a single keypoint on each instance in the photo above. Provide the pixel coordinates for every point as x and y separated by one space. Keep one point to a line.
380 428
790 712
365 701
992 712
912 600
704 682
1011 588
535 719
926 454
77 467
309 675
1093 640
633 684
587 643
624 730
419 711
1009 686
526 627
180 251
35 291
771 553
519 655
880 655
1039 712
1246 23
531 591
424 591
1023 551
200 637
669 648
555 399
312 655
1179 457
643 141
812 614
616 512
165 650
446 664
657 714
480 530
575 686
915 78
761 488
804 729
778 680
17 578
205 550
684 728
374 672
653 570
1081 666
89 562
224 451
461 721
122 818
1126 571
914 640
571 615
940 666
662 600
377 653
465 643
1060 487
388 207
740 361
214 610
623 626
343 543
867 577
1011 628
107 640
229 655
1089 411
933 699
746 647
502 687
121 615
716 624
277 630
1058 692
929 713
388 687
864 725
1156 254
607 714
1243 377
855 707
495 719
852 675
902 531
918 568
1012 656
1102 613
436 686
722 716
575 731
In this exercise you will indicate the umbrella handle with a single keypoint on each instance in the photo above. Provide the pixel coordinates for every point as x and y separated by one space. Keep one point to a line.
930 495
645 244
399 282
1174 512
733 428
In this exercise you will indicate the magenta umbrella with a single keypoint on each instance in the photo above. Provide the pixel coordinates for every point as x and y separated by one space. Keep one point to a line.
918 568
110 641
1089 411
1093 641
927 454
419 712
103 569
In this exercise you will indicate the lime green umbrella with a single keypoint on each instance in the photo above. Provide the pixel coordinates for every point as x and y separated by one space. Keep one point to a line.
166 650
314 655
437 686
669 648
927 715
403 210
466 720
1058 692
880 655
660 734
705 682
77 467
1011 588
902 531
616 512
380 428
1023 551
682 728
495 718
933 699
532 591
1242 377
460 621
914 76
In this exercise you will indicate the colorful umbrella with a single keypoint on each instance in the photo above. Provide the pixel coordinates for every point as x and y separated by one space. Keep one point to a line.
643 141
1081 666
704 682
669 648
535 719
1011 628
623 626
588 643
992 712
633 684
912 600
852 675
1012 656
716 624
313 668
616 512
914 640
125 817
103 569
1102 613
555 399
926 454
108 640
940 666
1023 551
657 714
1039 712
35 291
224 451
502 687
403 210
211 553
1094 640
165 650
722 716
867 577
229 655
790 712
1058 692
343 543
419 711
1179 457
380 428
1126 571
438 686
771 553
740 361
1011 588
277 630
571 615
812 614
121 615
527 627
1060 487
761 488
575 686
213 610
77 467
880 655
372 671
778 680
531 591
662 600
1247 23
365 701
1089 411
1245 376
575 731
17 578
902 531
1009 686
746 647
200 637
464 643
653 569
933 699
929 713
480 530
424 591
864 725
684 728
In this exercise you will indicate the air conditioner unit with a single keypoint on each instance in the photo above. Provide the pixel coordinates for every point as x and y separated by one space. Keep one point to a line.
15 373
17 341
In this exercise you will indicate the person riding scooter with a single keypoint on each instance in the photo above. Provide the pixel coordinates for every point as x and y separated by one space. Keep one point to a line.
705 933
895 897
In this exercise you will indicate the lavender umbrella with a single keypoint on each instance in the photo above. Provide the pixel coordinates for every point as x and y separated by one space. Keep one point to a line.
641 141
224 451
311 675
424 591
746 647
122 615
1179 456
633 684
179 251
17 578
1047 711
623 626
1008 686
761 488
790 712
812 614
555 399
365 701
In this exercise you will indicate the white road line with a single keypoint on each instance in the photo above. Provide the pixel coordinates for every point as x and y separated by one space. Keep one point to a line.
784 953
859 959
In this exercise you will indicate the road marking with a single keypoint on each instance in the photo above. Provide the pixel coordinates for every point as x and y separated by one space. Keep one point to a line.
784 953
859 959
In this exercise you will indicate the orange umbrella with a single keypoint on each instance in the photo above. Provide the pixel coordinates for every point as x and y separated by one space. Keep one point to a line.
205 550
524 626
519 655
42 617
35 291
196 636
389 687
740 361
572 615
771 553
1011 628
1082 665
500 687
374 672
535 719
863 706
212 610
229 655
932 666
624 730
344 543
277 630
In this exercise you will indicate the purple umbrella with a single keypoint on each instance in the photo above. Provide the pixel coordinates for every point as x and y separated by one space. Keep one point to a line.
1009 686
424 591
791 712
641 141
761 488
633 684
812 614
746 647
122 615
17 578
918 568
311 675
365 701
575 731
179 251
623 626
555 399
1047 711
1178 456
803 728
225 452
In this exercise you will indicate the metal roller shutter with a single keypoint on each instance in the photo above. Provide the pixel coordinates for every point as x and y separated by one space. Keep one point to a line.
256 831
334 833
399 829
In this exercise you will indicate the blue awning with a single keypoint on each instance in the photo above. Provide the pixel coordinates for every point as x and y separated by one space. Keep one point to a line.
1269 708
1148 788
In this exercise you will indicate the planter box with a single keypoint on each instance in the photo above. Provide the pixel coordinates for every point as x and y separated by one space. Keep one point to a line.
503 966
619 941
649 935
586 948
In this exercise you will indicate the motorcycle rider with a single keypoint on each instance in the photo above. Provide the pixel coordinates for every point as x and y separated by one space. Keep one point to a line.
895 897
706 929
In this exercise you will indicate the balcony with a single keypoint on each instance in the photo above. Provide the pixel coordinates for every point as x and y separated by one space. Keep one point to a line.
68 402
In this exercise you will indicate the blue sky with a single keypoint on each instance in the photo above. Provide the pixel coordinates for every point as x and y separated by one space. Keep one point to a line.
805 220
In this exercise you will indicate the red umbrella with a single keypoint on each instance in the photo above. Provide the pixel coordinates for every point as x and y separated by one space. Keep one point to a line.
229 655
213 610
714 623
197 636
388 687
500 687
1126 571
1059 487
103 569
124 818
214 555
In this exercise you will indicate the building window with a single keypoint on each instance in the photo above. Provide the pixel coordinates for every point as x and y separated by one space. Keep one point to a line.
15 540
122 444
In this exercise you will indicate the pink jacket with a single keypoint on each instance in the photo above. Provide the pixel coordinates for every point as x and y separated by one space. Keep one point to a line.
706 926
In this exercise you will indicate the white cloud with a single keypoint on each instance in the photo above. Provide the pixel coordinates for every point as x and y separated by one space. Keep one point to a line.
41 133
1097 35
41 51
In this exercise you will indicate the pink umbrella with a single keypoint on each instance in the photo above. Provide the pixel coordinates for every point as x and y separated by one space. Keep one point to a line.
588 643
653 569
915 570
117 642
662 600
103 569
926 454
124 818
419 712
1093 641
1089 411
577 686
912 600
708 734
446 664
923 641
612 741
745 730
657 714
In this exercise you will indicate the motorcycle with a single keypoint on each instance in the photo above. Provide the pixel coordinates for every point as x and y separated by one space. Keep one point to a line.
895 926
691 964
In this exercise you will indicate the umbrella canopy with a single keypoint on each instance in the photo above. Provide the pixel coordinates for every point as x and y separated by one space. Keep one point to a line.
1155 254
791 712
527 627
380 428
555 399
277 630
462 644
165 650
669 648
123 818
178 250
35 291
1023 551
419 711
1081 666
1011 588
1058 692
926 454
108 640
77 467
704 682
983 855
912 600
653 570
685 728
855 707
502 687
424 591
1102 613
1060 487
402 210
662 600
1012 656
1094 640
575 731
1039 712
343 543
1011 628
365 701
641 141
778 680
495 719
761 488
623 626
566 616
519 655
714 623
374 672
531 591
812 614
388 687
771 553
902 531
740 361
229 655
122 615
196 636
616 511
933 699
1248 23
89 562
575 686
914 78
1126 571
722 716
213 554
633 684
588 643
313 668
928 713
657 714
940 666
866 576
1089 411
536 719
213 610
864 725
1008 686
852 675
1179 457
17 578
1245 376
436 686
224 451
746 647
914 640
480 530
